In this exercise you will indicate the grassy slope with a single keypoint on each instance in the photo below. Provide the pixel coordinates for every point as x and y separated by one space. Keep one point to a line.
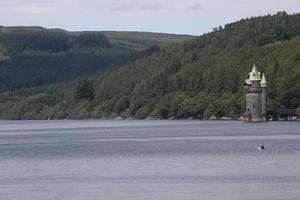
144 38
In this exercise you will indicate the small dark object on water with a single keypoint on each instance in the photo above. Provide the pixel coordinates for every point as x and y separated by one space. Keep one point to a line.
262 147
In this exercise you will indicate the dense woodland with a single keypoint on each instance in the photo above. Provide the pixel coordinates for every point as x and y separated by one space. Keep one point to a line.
34 56
200 78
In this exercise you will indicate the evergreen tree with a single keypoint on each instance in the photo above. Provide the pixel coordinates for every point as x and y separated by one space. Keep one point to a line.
84 90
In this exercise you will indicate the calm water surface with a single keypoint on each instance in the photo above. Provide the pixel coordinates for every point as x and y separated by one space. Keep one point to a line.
143 160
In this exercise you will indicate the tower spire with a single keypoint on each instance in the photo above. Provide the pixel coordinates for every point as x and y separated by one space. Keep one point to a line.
254 74
263 82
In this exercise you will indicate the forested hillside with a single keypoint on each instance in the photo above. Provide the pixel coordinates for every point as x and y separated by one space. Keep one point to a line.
199 79
34 56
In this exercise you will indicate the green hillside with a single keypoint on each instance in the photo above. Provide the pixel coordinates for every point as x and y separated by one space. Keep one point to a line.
200 78
34 56
140 40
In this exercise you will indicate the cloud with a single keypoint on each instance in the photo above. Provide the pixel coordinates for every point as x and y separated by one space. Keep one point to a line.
125 6
137 6
154 6
195 7
32 9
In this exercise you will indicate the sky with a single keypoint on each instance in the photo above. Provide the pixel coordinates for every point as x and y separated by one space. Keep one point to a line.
193 17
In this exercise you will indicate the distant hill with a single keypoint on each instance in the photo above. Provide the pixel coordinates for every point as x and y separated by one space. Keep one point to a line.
139 39
200 78
34 56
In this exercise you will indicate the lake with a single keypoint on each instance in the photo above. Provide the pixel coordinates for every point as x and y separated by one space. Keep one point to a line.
149 160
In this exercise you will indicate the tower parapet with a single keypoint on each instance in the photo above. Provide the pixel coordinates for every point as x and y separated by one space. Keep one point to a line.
255 89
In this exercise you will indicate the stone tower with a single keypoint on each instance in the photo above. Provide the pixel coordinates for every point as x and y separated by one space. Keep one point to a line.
256 97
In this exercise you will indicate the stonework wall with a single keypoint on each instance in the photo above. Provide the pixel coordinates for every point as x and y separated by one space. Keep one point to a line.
254 102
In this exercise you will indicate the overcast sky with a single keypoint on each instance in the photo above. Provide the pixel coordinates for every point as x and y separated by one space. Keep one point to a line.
169 16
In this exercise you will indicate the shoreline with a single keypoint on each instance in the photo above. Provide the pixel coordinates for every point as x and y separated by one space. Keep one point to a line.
152 119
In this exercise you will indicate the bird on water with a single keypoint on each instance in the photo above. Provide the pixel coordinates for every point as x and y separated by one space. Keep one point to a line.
262 147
